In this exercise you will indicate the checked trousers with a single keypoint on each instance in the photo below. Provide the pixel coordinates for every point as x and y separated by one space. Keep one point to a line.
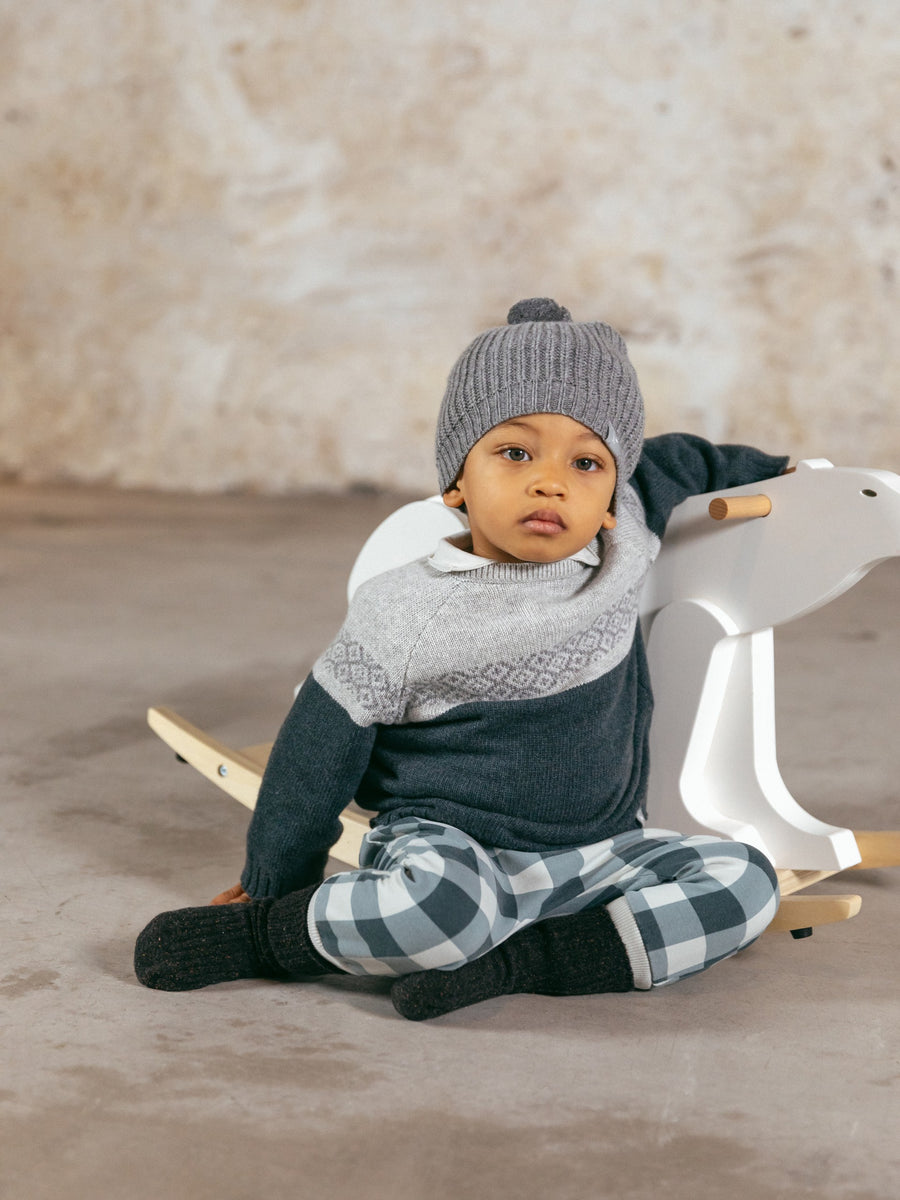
428 896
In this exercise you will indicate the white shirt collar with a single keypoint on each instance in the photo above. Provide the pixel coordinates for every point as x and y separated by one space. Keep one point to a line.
449 555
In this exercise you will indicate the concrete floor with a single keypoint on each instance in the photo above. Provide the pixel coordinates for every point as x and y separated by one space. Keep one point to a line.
774 1075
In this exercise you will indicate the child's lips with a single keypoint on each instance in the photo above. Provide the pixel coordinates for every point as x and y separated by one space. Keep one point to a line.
544 520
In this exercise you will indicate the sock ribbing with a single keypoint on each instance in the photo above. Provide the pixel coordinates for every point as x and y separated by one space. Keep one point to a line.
194 947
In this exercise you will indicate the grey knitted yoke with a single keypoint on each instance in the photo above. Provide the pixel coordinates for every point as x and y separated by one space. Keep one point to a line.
512 701
424 638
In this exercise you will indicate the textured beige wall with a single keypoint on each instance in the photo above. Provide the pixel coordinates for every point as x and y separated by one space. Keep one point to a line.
243 240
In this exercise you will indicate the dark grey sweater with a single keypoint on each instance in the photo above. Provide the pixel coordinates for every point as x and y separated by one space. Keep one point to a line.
509 700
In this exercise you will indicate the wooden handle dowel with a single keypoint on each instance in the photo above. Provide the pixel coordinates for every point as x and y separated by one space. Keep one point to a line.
727 508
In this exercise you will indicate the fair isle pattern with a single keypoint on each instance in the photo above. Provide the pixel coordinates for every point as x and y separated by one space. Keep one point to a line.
349 666
348 669
593 652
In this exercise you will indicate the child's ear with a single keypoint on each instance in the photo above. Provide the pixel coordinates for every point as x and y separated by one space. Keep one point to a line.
608 522
453 496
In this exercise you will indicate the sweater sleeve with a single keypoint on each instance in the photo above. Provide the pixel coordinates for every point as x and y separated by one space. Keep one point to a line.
316 764
677 465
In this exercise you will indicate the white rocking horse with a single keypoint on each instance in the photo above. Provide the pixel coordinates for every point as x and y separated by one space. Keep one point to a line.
733 565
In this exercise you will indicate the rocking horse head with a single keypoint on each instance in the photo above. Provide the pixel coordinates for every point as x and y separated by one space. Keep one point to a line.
826 528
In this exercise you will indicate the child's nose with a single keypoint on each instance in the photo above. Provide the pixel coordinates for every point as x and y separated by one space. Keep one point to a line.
547 483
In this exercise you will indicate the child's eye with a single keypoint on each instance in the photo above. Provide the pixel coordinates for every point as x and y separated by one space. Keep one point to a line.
586 464
515 454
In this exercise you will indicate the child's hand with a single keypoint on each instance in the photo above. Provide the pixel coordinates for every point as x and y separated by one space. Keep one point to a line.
234 895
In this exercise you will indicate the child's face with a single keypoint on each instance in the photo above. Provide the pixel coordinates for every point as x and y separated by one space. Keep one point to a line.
536 488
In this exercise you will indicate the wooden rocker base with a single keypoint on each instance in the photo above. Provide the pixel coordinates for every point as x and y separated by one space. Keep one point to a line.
239 773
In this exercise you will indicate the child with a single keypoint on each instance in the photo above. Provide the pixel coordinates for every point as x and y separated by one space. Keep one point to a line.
491 704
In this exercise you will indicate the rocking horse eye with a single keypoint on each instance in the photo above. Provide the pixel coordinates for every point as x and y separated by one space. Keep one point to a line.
868 492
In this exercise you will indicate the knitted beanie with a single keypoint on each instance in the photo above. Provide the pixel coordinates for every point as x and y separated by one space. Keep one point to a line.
542 361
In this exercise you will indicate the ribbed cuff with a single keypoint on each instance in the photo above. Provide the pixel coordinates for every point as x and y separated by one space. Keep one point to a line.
269 881
627 929
316 939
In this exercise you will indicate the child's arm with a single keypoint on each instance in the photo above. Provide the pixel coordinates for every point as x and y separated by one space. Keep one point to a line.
324 747
677 465
314 769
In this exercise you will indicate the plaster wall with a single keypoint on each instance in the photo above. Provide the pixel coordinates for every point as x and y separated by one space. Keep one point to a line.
242 241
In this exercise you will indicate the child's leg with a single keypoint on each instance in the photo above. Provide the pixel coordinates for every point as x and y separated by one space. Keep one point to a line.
669 906
195 947
426 896
692 902
658 907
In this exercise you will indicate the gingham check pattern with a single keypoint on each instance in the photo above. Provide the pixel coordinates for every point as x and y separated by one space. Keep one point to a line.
428 896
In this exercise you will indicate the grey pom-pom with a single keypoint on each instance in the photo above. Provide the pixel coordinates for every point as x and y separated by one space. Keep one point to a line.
539 309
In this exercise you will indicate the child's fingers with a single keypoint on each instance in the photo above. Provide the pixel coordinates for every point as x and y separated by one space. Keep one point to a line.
233 895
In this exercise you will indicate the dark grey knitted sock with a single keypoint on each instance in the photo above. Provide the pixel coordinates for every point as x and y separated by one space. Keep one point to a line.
289 942
564 956
195 947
